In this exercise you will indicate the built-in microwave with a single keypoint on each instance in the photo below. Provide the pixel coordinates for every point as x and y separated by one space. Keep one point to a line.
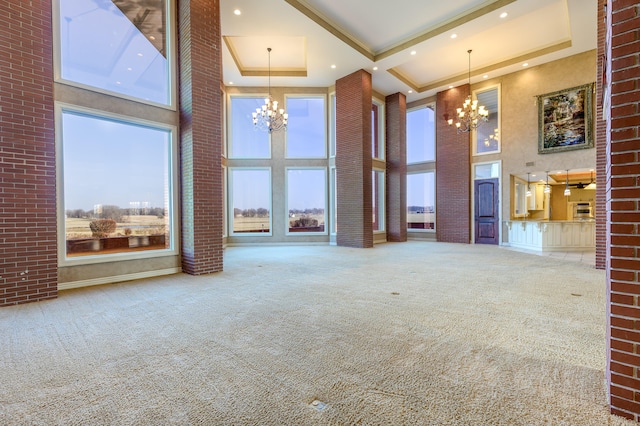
582 211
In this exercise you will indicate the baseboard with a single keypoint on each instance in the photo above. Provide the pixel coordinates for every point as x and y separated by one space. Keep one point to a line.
117 278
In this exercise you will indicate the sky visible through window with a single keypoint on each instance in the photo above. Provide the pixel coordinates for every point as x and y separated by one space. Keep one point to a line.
420 135
113 163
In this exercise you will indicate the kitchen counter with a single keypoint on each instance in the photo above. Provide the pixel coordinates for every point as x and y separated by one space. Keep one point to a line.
551 235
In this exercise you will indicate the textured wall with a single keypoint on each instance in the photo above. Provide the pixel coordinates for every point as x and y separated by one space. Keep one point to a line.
623 202
353 160
200 62
28 251
396 156
453 193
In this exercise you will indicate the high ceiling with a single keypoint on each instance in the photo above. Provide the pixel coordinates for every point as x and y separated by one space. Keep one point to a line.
409 41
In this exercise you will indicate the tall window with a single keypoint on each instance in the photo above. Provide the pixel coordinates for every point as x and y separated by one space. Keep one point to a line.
307 200
245 140
377 130
421 129
250 201
377 185
306 131
117 185
486 138
421 201
121 47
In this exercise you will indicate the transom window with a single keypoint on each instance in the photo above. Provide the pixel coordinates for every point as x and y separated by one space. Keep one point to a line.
116 46
306 131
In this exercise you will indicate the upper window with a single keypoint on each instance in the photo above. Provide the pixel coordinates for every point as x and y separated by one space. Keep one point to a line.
421 135
377 199
377 130
332 125
116 46
247 141
307 200
487 136
117 185
306 129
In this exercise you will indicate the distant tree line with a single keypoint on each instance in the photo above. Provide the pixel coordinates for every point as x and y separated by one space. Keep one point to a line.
259 212
306 211
114 212
420 209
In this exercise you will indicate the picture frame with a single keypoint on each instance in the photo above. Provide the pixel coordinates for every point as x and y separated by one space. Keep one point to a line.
565 120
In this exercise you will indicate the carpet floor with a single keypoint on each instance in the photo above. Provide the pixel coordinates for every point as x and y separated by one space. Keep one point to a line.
415 333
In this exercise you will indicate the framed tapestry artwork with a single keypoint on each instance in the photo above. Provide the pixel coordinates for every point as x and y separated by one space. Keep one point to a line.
565 119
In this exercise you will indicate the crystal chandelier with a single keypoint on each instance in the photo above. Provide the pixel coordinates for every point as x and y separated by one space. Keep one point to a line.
471 115
269 117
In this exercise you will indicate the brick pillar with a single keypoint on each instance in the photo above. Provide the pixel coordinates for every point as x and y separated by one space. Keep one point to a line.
28 251
453 175
601 147
623 202
200 62
396 156
353 160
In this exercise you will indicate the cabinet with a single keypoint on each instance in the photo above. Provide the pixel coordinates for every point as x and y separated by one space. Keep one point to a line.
537 201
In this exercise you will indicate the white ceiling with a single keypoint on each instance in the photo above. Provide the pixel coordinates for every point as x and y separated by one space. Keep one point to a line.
309 36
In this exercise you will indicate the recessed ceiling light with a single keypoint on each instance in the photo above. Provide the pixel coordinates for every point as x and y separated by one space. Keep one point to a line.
485 76
454 35
413 52
526 64
230 83
450 87
504 14
375 68
237 12
410 91
333 66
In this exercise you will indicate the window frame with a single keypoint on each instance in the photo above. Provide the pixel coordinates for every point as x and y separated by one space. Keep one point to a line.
378 133
474 132
435 201
431 106
229 127
379 200
230 197
287 97
326 204
172 184
172 59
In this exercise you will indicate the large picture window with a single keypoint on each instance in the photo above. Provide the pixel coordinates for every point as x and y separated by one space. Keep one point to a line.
421 213
245 140
116 46
250 201
306 131
307 200
117 185
421 146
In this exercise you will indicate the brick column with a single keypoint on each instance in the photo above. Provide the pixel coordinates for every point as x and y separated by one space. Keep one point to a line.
200 62
353 160
601 147
396 156
28 252
623 202
453 175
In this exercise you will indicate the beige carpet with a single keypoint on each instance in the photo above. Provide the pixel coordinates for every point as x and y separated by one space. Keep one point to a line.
402 334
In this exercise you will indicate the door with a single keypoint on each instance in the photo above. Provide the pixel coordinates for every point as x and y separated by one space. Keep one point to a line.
486 211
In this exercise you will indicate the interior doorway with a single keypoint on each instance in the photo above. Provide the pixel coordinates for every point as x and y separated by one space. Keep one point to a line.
486 213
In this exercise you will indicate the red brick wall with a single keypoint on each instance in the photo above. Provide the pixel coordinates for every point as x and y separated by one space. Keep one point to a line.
601 147
28 256
623 201
200 62
453 187
396 156
353 160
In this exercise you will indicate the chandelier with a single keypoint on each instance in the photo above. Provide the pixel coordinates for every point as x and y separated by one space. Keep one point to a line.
269 117
471 115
